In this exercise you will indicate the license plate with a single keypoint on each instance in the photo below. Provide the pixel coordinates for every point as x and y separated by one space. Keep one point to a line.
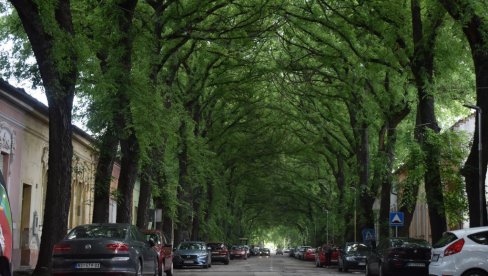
416 264
87 265
435 258
188 262
361 263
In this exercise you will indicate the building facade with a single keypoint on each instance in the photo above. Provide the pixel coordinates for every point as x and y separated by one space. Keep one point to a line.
24 147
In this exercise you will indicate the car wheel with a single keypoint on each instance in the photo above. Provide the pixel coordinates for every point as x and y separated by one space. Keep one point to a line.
138 268
475 273
382 271
366 270
339 264
169 272
344 267
156 267
160 270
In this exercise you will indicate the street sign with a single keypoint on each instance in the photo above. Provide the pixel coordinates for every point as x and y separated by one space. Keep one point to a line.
397 218
368 234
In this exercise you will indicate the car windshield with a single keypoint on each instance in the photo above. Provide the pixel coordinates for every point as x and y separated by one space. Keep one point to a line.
191 246
98 231
216 246
154 237
237 248
409 243
357 248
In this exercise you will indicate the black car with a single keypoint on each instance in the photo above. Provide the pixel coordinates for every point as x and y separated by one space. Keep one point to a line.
399 256
104 248
352 255
265 252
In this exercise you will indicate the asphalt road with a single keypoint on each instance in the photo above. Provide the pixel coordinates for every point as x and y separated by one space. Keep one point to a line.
265 266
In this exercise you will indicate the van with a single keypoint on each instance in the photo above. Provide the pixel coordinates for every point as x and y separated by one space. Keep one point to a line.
5 230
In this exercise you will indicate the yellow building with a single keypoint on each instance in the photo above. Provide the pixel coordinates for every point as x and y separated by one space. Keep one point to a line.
24 147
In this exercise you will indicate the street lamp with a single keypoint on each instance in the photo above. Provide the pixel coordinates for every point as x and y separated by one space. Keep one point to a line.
480 159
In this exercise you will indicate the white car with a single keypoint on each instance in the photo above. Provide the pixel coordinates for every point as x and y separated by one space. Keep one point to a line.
461 252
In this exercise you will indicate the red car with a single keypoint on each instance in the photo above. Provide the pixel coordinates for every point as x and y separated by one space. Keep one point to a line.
309 254
164 250
326 255
238 251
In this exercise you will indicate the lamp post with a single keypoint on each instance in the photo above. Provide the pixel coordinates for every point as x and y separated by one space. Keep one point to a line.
480 159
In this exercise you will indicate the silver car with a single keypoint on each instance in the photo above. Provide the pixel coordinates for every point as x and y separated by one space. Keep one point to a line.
113 248
192 253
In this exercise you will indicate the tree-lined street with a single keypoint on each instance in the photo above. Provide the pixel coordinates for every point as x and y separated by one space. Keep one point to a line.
266 121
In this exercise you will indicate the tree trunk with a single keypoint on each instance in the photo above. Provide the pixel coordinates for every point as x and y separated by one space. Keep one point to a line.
389 152
60 87
366 195
183 216
144 196
474 28
103 176
129 144
423 70
128 174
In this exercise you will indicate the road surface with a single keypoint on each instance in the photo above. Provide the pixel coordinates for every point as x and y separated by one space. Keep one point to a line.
265 266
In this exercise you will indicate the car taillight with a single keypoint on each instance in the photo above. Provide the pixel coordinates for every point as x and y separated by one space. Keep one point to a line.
117 247
61 248
454 248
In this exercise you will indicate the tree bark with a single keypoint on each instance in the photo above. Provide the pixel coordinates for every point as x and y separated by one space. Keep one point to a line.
474 28
128 174
60 87
129 144
423 71
146 177
183 190
103 176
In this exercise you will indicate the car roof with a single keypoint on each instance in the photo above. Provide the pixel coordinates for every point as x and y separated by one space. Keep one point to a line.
468 231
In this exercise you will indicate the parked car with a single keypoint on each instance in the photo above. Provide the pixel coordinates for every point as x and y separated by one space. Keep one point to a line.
353 255
291 252
192 253
5 230
286 250
238 251
279 251
461 252
299 254
265 252
309 254
255 251
163 249
104 248
220 252
326 254
397 256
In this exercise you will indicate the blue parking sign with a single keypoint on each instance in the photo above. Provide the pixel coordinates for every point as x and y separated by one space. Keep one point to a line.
397 218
